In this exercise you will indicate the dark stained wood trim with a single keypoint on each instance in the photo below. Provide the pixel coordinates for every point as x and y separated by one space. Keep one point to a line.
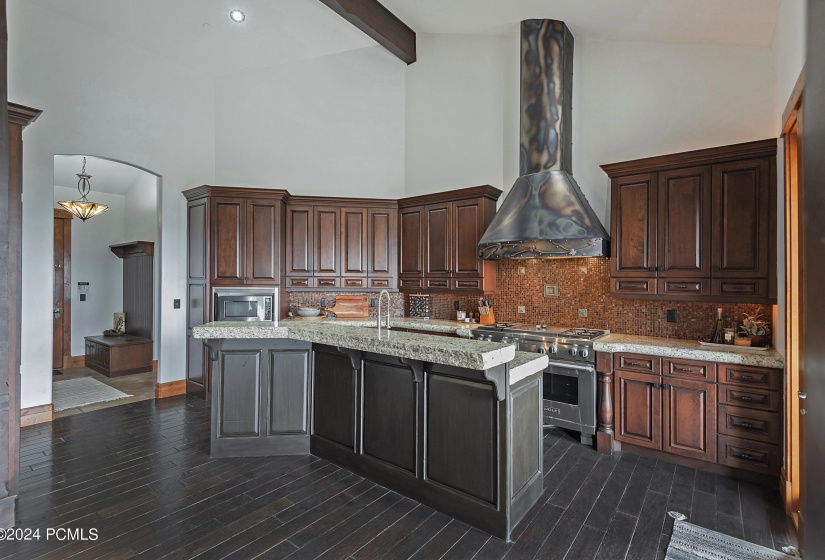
22 115
163 390
37 415
133 248
66 304
759 148
486 191
793 102
77 361
228 191
380 24
343 201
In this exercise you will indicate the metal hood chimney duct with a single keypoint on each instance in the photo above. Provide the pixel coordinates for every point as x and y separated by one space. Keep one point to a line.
545 213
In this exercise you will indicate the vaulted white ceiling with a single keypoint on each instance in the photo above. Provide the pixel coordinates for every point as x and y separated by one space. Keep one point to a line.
199 34
723 22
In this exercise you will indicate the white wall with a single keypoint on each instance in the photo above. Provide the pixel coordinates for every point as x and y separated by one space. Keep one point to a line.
789 58
142 224
94 262
454 124
332 125
106 98
142 202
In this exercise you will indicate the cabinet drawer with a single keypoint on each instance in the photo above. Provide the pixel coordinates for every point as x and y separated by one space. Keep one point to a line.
751 398
438 283
380 283
748 423
689 369
466 284
637 362
762 378
638 286
740 288
689 287
411 283
747 454
327 282
298 282
354 282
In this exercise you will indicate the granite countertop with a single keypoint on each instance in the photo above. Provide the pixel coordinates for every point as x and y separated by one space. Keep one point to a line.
471 354
526 364
459 328
690 349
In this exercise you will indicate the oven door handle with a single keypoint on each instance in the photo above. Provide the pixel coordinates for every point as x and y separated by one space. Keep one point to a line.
568 365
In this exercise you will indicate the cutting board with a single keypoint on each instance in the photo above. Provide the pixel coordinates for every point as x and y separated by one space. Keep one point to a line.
351 307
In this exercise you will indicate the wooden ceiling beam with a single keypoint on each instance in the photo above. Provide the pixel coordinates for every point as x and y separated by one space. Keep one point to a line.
371 17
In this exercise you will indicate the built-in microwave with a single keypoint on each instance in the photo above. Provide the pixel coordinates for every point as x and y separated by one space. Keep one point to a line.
246 304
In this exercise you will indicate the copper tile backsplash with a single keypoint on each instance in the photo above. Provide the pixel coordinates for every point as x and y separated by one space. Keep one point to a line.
589 291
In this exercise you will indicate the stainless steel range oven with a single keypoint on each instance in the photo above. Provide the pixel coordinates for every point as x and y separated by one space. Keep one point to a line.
569 382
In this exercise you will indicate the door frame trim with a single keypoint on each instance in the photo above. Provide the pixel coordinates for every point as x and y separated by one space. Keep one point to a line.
66 305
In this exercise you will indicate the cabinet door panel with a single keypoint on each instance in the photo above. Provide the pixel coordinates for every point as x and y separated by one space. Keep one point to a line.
288 391
467 231
354 243
684 222
334 400
411 258
327 257
228 230
690 419
438 240
383 233
741 218
638 403
390 414
634 200
196 237
239 411
299 240
263 239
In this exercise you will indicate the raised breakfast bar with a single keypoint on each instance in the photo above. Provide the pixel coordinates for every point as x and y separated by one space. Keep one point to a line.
453 423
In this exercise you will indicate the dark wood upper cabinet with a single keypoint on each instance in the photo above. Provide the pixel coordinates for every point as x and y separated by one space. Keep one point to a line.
684 216
326 245
354 242
263 241
634 201
299 244
382 232
438 240
741 218
411 246
438 237
228 228
696 225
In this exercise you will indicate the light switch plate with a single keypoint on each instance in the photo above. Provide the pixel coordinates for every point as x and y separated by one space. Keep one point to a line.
176 303
522 309
582 312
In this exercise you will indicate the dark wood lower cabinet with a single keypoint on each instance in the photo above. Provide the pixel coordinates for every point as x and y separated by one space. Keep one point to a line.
639 406
118 355
261 392
689 418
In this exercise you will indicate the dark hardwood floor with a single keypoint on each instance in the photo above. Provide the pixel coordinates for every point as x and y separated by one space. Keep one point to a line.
140 474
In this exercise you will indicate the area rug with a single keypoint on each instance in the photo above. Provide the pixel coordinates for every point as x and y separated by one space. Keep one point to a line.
83 391
691 542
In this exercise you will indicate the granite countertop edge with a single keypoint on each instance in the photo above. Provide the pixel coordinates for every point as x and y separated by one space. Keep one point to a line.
688 349
470 354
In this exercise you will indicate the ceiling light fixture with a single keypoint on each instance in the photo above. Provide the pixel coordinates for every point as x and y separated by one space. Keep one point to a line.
82 208
237 16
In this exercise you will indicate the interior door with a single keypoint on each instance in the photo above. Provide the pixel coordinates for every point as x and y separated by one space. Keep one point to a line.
62 291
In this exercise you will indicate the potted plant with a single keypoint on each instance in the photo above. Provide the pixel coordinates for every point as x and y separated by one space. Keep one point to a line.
754 330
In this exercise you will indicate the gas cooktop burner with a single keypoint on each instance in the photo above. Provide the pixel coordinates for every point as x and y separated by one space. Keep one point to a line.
587 334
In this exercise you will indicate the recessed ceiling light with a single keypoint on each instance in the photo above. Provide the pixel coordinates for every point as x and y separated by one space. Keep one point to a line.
237 16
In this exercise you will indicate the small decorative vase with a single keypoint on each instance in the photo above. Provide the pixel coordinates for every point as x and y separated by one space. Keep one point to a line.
742 341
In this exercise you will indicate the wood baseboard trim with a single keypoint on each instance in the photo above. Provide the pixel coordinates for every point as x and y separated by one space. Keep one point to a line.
154 366
37 415
78 361
163 390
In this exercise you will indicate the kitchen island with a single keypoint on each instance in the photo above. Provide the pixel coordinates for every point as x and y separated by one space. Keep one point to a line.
453 423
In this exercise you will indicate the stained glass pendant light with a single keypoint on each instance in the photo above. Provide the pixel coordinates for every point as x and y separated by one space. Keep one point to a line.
82 208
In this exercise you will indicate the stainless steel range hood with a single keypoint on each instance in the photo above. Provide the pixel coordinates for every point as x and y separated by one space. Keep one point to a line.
545 214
